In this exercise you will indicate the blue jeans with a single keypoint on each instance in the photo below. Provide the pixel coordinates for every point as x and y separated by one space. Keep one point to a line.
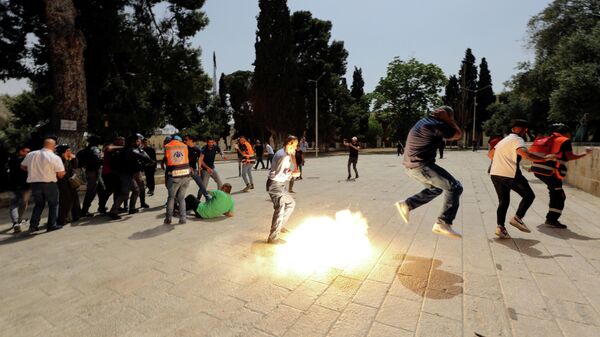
436 181
283 207
247 173
176 187
42 193
18 205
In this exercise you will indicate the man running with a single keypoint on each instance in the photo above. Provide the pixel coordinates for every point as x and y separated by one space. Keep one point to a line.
506 176
207 162
419 159
283 168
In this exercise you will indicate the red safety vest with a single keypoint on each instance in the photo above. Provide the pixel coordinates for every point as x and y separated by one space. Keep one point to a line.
550 145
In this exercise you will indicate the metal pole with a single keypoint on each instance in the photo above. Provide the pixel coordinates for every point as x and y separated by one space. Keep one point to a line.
317 118
474 117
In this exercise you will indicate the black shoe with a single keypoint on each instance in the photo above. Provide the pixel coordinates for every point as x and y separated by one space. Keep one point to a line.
102 210
555 224
277 241
87 214
349 177
133 211
144 205
356 177
151 193
121 209
114 216
54 228
33 229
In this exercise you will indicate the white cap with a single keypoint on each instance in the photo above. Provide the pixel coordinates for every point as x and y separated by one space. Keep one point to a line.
354 139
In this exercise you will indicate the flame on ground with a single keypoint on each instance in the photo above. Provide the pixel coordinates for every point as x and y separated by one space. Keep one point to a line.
321 243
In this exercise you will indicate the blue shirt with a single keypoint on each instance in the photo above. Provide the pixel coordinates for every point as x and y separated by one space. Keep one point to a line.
423 141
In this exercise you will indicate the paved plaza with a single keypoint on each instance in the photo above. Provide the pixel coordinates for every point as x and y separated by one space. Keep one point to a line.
137 277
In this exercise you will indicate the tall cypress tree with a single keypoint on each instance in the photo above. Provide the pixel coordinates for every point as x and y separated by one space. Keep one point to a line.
452 93
467 79
274 80
485 93
358 84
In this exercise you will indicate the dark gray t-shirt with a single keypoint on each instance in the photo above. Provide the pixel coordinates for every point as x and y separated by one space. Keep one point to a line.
423 141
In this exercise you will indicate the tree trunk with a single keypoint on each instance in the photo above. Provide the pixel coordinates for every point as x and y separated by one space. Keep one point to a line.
66 44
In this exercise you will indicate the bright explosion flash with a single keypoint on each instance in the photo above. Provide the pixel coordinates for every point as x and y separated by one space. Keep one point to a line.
322 243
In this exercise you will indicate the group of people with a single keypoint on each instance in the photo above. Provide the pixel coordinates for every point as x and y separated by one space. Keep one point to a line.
123 168
549 166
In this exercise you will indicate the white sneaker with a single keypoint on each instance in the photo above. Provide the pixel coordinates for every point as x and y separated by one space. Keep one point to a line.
403 210
443 229
516 222
502 233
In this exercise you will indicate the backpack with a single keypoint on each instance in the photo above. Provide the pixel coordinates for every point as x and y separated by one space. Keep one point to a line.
542 145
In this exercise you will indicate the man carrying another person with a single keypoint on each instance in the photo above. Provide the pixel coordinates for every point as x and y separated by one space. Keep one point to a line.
221 204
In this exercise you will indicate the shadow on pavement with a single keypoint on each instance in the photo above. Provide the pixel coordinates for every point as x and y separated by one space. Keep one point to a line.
14 238
563 233
525 246
423 277
152 232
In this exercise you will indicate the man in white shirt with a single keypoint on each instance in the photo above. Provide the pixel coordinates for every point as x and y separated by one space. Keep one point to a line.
506 176
44 168
270 154
284 167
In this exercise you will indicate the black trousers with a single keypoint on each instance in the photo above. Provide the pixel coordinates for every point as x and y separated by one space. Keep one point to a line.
557 196
150 183
259 160
68 203
111 187
191 203
503 186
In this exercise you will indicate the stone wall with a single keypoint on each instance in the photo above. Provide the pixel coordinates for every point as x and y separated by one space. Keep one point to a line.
585 172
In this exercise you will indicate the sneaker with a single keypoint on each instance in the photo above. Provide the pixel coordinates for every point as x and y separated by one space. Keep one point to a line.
167 221
114 216
349 177
133 211
444 229
403 210
102 210
150 193
516 222
247 188
16 227
144 205
86 214
182 221
277 241
122 209
33 229
251 186
356 177
555 224
284 230
291 191
502 233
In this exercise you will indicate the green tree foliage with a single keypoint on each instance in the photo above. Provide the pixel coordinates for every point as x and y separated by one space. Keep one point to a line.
452 93
562 83
409 90
374 131
485 93
467 79
358 84
317 55
274 81
503 113
238 87
140 69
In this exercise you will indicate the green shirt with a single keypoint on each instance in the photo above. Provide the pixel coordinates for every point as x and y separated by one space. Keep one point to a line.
220 204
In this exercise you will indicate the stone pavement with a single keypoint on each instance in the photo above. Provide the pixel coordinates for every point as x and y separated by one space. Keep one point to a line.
136 277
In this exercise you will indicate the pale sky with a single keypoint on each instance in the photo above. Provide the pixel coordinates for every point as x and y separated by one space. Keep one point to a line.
375 31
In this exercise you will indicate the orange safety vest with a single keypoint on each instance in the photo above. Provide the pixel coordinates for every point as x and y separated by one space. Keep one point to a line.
249 157
556 167
178 163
